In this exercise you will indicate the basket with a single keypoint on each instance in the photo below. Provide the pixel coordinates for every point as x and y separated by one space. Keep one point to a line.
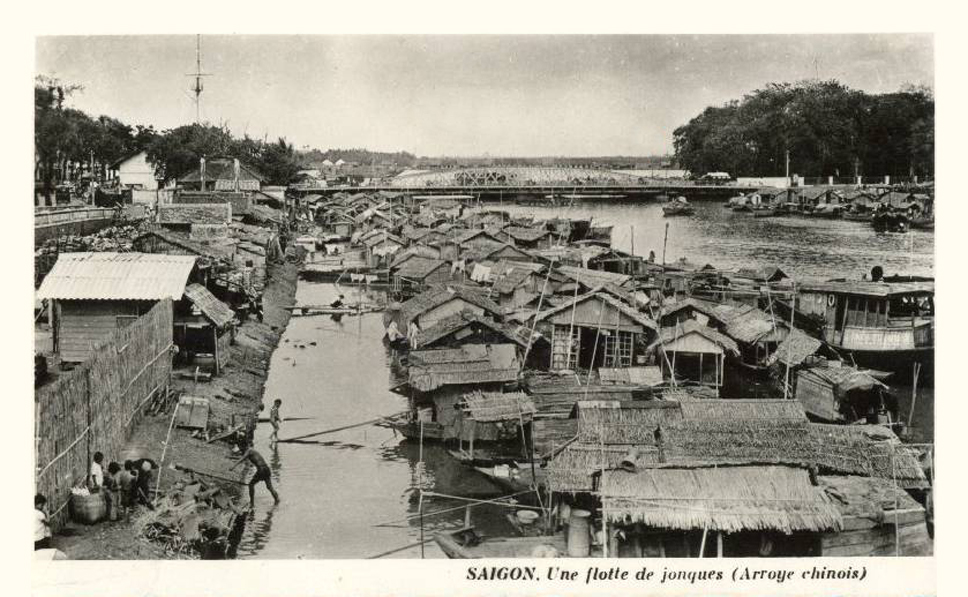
88 509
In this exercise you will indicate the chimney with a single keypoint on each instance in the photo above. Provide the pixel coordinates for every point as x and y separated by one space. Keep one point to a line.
202 172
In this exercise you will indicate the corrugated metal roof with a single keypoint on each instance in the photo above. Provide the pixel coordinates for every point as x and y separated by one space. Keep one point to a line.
117 276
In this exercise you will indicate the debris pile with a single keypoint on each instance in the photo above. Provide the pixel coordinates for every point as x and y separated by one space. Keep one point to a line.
192 520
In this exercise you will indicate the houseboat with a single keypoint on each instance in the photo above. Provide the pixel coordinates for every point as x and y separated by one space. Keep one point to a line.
886 324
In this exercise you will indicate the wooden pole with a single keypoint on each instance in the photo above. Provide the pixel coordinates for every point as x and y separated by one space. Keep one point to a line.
719 545
164 450
702 544
914 392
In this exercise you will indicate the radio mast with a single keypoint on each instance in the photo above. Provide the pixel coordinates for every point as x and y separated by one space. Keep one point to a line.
198 74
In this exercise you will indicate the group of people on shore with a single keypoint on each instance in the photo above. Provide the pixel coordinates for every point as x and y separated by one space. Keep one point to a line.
128 485
123 486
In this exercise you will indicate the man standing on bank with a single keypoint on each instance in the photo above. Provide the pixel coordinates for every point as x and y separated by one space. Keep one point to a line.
262 473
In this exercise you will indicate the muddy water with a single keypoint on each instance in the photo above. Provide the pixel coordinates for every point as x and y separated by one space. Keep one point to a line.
337 492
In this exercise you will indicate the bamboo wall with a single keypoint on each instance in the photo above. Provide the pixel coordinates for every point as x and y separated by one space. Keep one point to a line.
95 406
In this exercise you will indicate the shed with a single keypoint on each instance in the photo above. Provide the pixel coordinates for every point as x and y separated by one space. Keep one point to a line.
839 393
208 328
694 352
94 294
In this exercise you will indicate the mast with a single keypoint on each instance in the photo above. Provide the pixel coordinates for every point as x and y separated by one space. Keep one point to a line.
198 74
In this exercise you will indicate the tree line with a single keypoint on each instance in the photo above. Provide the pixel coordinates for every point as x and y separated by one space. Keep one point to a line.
827 128
65 137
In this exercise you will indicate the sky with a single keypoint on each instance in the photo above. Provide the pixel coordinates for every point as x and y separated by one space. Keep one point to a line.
467 95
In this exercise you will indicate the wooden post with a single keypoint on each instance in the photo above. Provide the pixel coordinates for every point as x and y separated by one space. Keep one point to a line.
914 392
702 544
215 340
719 545
473 433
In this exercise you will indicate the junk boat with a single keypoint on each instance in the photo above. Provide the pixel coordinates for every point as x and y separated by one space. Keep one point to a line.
678 207
886 324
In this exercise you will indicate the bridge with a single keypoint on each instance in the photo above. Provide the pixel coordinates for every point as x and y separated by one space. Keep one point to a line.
529 182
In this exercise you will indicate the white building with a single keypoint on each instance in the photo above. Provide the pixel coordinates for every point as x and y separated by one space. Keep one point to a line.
134 172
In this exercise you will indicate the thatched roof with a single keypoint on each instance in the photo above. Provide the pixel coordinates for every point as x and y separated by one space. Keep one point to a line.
632 423
868 450
794 349
683 393
753 409
573 467
749 325
470 364
728 499
841 379
490 407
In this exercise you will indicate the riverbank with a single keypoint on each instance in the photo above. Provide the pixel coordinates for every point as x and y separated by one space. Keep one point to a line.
236 392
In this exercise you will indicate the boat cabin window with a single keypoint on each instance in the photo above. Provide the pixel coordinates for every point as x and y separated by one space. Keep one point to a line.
907 306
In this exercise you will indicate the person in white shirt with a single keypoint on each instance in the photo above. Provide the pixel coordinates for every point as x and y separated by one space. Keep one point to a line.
41 525
96 478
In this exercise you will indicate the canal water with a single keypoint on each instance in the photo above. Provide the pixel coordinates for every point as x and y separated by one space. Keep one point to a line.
354 494
802 247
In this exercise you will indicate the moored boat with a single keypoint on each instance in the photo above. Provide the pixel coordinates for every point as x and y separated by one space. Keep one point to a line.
886 324
678 207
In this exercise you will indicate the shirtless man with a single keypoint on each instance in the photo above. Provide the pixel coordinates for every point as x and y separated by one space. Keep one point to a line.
262 473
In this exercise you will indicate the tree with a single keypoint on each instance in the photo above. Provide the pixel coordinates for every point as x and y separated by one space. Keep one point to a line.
826 126
176 152
54 128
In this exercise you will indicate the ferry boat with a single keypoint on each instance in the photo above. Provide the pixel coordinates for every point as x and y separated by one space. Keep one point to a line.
886 324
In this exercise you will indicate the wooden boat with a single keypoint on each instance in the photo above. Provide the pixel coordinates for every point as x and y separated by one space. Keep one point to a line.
889 221
466 543
678 207
886 325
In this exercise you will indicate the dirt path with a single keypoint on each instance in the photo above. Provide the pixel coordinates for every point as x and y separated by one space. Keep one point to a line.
236 392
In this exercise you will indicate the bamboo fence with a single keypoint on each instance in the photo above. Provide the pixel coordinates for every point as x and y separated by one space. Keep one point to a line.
95 406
